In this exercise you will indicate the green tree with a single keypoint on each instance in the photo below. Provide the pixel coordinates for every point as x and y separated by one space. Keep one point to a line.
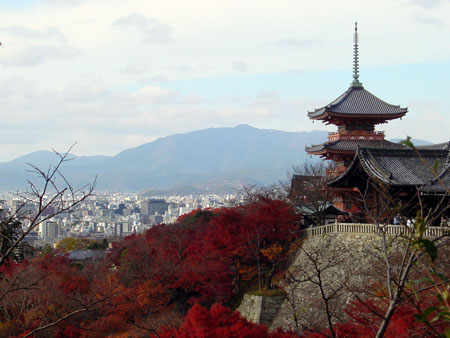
69 244
9 232
98 245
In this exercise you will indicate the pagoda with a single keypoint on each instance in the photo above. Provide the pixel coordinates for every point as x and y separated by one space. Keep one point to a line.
355 113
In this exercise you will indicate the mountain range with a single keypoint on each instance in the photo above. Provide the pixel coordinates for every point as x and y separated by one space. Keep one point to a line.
210 160
214 159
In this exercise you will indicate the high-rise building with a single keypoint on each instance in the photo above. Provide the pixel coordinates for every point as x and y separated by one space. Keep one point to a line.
50 230
153 206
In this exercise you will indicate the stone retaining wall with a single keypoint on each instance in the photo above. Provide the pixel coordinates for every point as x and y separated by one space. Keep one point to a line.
260 309
346 262
349 264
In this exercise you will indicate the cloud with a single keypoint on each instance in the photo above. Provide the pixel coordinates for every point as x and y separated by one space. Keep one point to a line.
421 122
152 30
296 43
89 92
137 68
429 21
52 33
427 4
64 101
22 31
184 69
156 95
267 95
296 71
64 3
26 47
240 66
158 79
153 79
16 86
35 55
133 20
159 33
193 99
231 99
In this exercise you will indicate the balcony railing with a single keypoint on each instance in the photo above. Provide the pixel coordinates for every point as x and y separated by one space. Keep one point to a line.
368 229
355 134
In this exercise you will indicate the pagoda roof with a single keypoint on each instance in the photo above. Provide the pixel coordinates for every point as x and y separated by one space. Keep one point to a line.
402 168
358 102
352 145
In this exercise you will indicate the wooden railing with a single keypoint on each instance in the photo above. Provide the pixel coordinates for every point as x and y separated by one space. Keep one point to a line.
368 229
356 134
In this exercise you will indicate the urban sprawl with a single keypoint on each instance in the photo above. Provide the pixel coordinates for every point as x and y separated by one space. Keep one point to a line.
110 216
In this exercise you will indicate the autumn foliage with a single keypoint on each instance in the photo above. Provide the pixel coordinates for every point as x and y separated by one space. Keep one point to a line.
364 318
150 281
210 256
175 281
220 322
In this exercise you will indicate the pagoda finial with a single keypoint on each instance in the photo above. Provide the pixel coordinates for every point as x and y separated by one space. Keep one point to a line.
356 82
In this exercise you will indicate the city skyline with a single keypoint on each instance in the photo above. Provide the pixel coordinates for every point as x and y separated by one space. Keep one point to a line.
111 75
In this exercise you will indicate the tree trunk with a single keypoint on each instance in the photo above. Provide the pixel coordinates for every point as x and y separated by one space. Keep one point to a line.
269 277
386 320
258 264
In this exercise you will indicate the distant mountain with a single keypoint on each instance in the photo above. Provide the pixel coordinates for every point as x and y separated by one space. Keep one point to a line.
214 159
415 141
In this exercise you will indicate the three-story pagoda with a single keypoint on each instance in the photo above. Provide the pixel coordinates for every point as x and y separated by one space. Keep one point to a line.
355 113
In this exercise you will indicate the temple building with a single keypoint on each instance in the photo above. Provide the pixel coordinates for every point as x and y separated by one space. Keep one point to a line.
367 167
410 178
355 113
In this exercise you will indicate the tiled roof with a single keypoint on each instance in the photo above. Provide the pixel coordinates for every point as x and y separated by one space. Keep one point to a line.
352 145
445 145
403 167
358 101
81 255
438 184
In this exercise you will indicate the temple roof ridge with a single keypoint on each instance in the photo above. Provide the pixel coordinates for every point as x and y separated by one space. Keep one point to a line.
358 101
352 145
403 167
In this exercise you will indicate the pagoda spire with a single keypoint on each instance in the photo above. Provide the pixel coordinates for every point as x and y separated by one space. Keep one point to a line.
356 82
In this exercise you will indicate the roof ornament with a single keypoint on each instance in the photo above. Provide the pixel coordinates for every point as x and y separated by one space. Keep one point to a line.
356 82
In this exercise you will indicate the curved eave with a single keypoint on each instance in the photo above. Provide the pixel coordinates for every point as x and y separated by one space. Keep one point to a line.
371 168
317 114
321 152
337 180
367 116
367 166
359 102
325 151
328 114
315 148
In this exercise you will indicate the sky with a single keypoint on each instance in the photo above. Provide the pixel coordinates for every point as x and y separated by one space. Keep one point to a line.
114 74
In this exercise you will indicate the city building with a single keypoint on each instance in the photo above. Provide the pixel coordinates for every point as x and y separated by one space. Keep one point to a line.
109 215
153 206
50 230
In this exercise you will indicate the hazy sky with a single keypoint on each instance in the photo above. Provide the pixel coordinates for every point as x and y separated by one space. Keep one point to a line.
113 74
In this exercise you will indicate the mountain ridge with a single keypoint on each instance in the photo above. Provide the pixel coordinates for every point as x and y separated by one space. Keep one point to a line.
212 159
204 159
